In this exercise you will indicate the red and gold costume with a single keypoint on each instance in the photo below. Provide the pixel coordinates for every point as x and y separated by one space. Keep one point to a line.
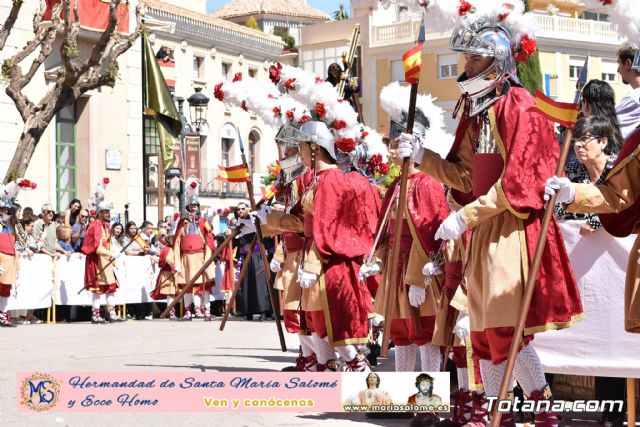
618 203
426 208
500 190
166 281
97 248
9 263
193 245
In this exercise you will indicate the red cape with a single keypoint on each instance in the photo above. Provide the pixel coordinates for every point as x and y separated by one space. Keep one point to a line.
346 209
92 239
527 166
627 222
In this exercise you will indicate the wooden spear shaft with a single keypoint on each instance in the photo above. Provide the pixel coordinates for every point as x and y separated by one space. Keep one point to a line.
390 289
236 289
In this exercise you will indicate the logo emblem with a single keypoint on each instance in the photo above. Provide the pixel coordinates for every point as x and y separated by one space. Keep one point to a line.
39 392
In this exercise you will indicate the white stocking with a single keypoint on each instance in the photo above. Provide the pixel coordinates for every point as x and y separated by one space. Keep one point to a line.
430 358
95 301
206 299
324 351
197 300
3 303
306 342
188 299
405 356
463 379
348 352
492 377
170 300
528 371
110 298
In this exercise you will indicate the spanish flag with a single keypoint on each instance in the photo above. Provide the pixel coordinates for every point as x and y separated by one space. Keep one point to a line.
560 112
238 173
269 193
412 60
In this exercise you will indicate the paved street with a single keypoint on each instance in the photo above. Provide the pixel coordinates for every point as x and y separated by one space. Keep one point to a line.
157 345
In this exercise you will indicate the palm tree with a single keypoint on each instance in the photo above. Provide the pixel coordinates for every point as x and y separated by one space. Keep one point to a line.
341 14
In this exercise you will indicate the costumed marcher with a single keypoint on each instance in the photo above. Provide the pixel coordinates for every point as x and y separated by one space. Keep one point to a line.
617 200
99 277
426 208
469 395
193 245
497 174
9 259
286 260
166 287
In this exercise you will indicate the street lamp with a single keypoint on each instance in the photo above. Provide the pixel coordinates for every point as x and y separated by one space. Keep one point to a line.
198 103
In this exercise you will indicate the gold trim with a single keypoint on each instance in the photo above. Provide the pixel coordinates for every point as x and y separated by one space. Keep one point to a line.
471 374
524 255
500 143
551 326
471 219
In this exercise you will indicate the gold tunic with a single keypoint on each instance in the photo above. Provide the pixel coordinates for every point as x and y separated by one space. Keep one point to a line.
621 190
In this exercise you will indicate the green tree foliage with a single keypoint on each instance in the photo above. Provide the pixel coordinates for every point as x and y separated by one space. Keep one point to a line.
252 23
529 71
341 14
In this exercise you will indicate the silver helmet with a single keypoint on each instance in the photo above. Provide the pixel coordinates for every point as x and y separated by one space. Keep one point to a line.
486 37
420 125
317 132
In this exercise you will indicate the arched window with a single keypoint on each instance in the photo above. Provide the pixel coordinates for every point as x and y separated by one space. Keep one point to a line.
254 149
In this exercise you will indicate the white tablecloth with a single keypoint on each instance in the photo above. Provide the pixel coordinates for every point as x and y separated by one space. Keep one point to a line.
598 345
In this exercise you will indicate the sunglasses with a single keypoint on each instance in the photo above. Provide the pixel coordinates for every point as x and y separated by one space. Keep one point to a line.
84 216
48 212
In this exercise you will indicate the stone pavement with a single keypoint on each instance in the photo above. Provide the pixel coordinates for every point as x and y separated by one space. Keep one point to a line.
160 345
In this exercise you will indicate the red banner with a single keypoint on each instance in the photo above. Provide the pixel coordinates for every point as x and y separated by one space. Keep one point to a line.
94 14
192 156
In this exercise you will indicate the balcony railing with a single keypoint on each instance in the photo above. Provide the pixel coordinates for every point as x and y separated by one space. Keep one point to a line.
548 26
211 187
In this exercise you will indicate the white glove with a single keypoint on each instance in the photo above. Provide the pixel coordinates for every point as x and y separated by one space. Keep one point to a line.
377 320
462 328
177 270
431 269
1 271
410 146
248 226
451 228
275 265
262 214
416 295
367 270
116 255
306 279
565 189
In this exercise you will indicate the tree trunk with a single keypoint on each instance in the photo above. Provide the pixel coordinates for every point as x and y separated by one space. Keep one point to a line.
24 151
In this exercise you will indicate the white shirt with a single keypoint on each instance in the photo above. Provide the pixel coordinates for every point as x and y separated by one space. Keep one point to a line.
628 112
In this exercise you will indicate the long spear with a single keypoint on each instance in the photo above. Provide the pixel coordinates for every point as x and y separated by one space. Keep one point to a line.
263 252
236 289
537 258
413 65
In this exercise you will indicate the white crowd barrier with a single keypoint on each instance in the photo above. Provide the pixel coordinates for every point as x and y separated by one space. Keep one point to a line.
598 344
42 280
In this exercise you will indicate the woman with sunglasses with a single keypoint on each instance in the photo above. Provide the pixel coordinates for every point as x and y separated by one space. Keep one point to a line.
596 153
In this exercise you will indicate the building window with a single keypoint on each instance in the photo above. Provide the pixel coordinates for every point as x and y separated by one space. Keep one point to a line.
65 157
397 71
227 144
317 61
150 161
447 66
595 16
253 72
225 70
609 70
254 149
198 67
575 67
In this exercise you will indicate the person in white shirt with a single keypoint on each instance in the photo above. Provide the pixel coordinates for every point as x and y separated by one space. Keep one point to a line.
628 110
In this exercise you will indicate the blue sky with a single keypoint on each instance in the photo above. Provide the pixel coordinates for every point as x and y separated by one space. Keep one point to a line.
327 6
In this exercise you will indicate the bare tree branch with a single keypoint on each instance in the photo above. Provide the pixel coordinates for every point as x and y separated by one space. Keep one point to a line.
9 22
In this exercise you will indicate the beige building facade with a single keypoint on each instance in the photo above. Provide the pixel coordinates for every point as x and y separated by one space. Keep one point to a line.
568 33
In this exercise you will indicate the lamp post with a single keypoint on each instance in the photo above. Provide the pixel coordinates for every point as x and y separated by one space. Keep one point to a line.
198 104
